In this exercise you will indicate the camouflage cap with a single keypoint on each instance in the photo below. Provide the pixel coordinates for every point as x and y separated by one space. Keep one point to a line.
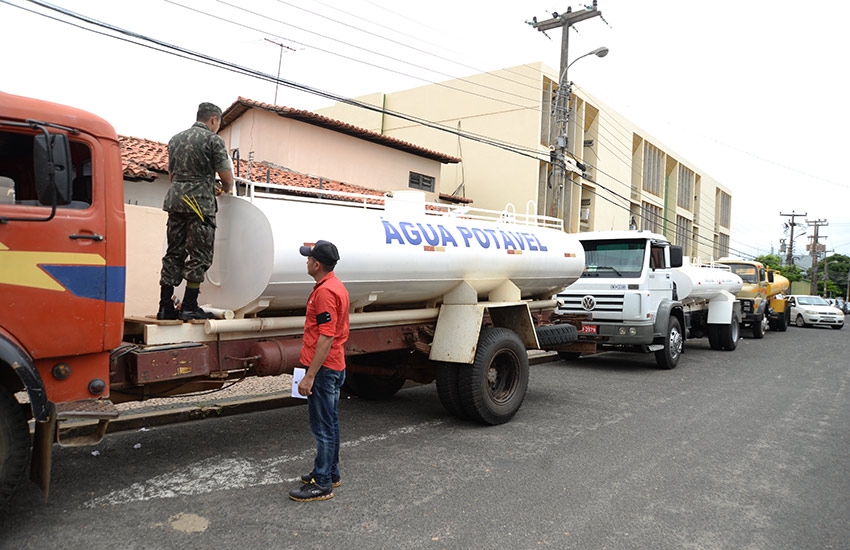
209 107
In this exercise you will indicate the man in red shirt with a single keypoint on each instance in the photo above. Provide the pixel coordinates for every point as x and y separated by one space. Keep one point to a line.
323 355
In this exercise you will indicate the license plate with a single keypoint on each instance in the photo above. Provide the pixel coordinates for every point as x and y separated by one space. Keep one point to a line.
588 329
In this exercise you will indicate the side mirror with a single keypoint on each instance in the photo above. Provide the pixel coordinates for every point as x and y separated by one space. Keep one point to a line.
770 276
676 256
52 168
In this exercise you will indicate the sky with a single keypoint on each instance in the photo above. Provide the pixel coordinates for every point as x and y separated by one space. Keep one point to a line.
749 92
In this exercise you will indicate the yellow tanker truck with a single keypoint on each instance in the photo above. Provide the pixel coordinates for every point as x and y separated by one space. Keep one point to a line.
762 297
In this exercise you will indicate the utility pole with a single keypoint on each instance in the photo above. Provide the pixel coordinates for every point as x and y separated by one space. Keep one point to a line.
826 272
279 63
789 259
813 289
562 105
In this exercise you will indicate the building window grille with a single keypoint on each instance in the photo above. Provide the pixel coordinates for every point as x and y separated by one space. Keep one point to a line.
650 217
684 229
422 182
721 247
685 198
724 201
653 169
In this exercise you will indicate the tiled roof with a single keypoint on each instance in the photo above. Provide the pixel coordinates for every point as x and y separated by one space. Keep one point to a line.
242 105
143 159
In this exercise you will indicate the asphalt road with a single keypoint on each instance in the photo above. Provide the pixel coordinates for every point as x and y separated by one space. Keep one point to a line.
731 450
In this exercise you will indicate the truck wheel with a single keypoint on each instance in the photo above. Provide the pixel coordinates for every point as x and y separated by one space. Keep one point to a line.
493 387
372 387
729 334
14 445
714 337
758 326
784 321
569 355
447 389
668 357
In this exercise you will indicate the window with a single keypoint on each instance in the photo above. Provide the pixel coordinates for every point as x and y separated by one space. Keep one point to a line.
721 246
651 216
724 207
18 179
613 258
421 181
684 229
653 173
685 197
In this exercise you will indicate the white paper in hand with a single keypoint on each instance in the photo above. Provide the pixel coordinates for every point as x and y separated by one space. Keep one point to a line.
297 374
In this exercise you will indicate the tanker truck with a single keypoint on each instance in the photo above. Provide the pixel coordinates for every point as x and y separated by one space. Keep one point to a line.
438 292
763 296
637 294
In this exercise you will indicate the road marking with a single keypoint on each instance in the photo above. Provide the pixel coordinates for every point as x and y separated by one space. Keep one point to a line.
222 474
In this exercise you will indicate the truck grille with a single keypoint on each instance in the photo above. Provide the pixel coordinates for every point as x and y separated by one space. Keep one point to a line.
602 303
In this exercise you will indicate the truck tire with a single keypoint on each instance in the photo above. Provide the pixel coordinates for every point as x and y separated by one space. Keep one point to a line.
493 387
14 445
784 320
714 337
372 387
668 357
551 336
730 333
447 388
758 326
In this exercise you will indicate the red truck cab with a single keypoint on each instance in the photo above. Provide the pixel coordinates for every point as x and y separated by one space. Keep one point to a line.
62 252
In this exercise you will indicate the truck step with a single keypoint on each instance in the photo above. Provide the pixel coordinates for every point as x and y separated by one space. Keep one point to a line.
101 410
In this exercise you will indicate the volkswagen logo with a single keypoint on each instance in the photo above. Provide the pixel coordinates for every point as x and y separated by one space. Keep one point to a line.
588 303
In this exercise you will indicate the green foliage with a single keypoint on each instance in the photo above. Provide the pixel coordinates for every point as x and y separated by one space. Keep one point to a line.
790 272
833 268
771 260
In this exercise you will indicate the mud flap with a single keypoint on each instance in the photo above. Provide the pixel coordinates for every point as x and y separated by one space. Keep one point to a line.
47 432
42 451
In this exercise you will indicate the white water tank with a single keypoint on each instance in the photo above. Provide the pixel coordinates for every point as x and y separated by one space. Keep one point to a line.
398 253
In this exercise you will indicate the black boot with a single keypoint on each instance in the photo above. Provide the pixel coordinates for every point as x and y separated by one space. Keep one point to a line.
190 310
167 311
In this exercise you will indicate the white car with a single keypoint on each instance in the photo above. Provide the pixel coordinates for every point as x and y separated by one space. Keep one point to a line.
814 310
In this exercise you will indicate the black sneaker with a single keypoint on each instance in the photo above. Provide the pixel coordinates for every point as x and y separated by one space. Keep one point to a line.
308 478
311 491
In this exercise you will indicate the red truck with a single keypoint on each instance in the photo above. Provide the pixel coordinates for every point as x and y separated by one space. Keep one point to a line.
438 293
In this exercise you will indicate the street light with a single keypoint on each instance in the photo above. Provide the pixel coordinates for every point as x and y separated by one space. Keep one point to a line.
562 110
598 52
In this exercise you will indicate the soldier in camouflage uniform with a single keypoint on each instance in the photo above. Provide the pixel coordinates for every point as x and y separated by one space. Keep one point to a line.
194 157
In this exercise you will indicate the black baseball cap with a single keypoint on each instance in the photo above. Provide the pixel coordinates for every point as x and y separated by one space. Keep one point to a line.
323 251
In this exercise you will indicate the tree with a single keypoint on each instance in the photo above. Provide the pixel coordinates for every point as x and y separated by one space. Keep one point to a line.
836 268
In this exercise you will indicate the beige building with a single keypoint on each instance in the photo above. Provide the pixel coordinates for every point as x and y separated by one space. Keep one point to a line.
308 143
499 124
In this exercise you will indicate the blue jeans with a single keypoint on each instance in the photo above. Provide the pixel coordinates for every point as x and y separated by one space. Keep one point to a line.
323 405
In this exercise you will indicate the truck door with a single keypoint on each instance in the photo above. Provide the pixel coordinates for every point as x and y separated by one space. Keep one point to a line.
659 281
53 273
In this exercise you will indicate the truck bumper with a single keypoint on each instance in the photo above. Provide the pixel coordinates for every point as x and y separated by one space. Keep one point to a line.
619 334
